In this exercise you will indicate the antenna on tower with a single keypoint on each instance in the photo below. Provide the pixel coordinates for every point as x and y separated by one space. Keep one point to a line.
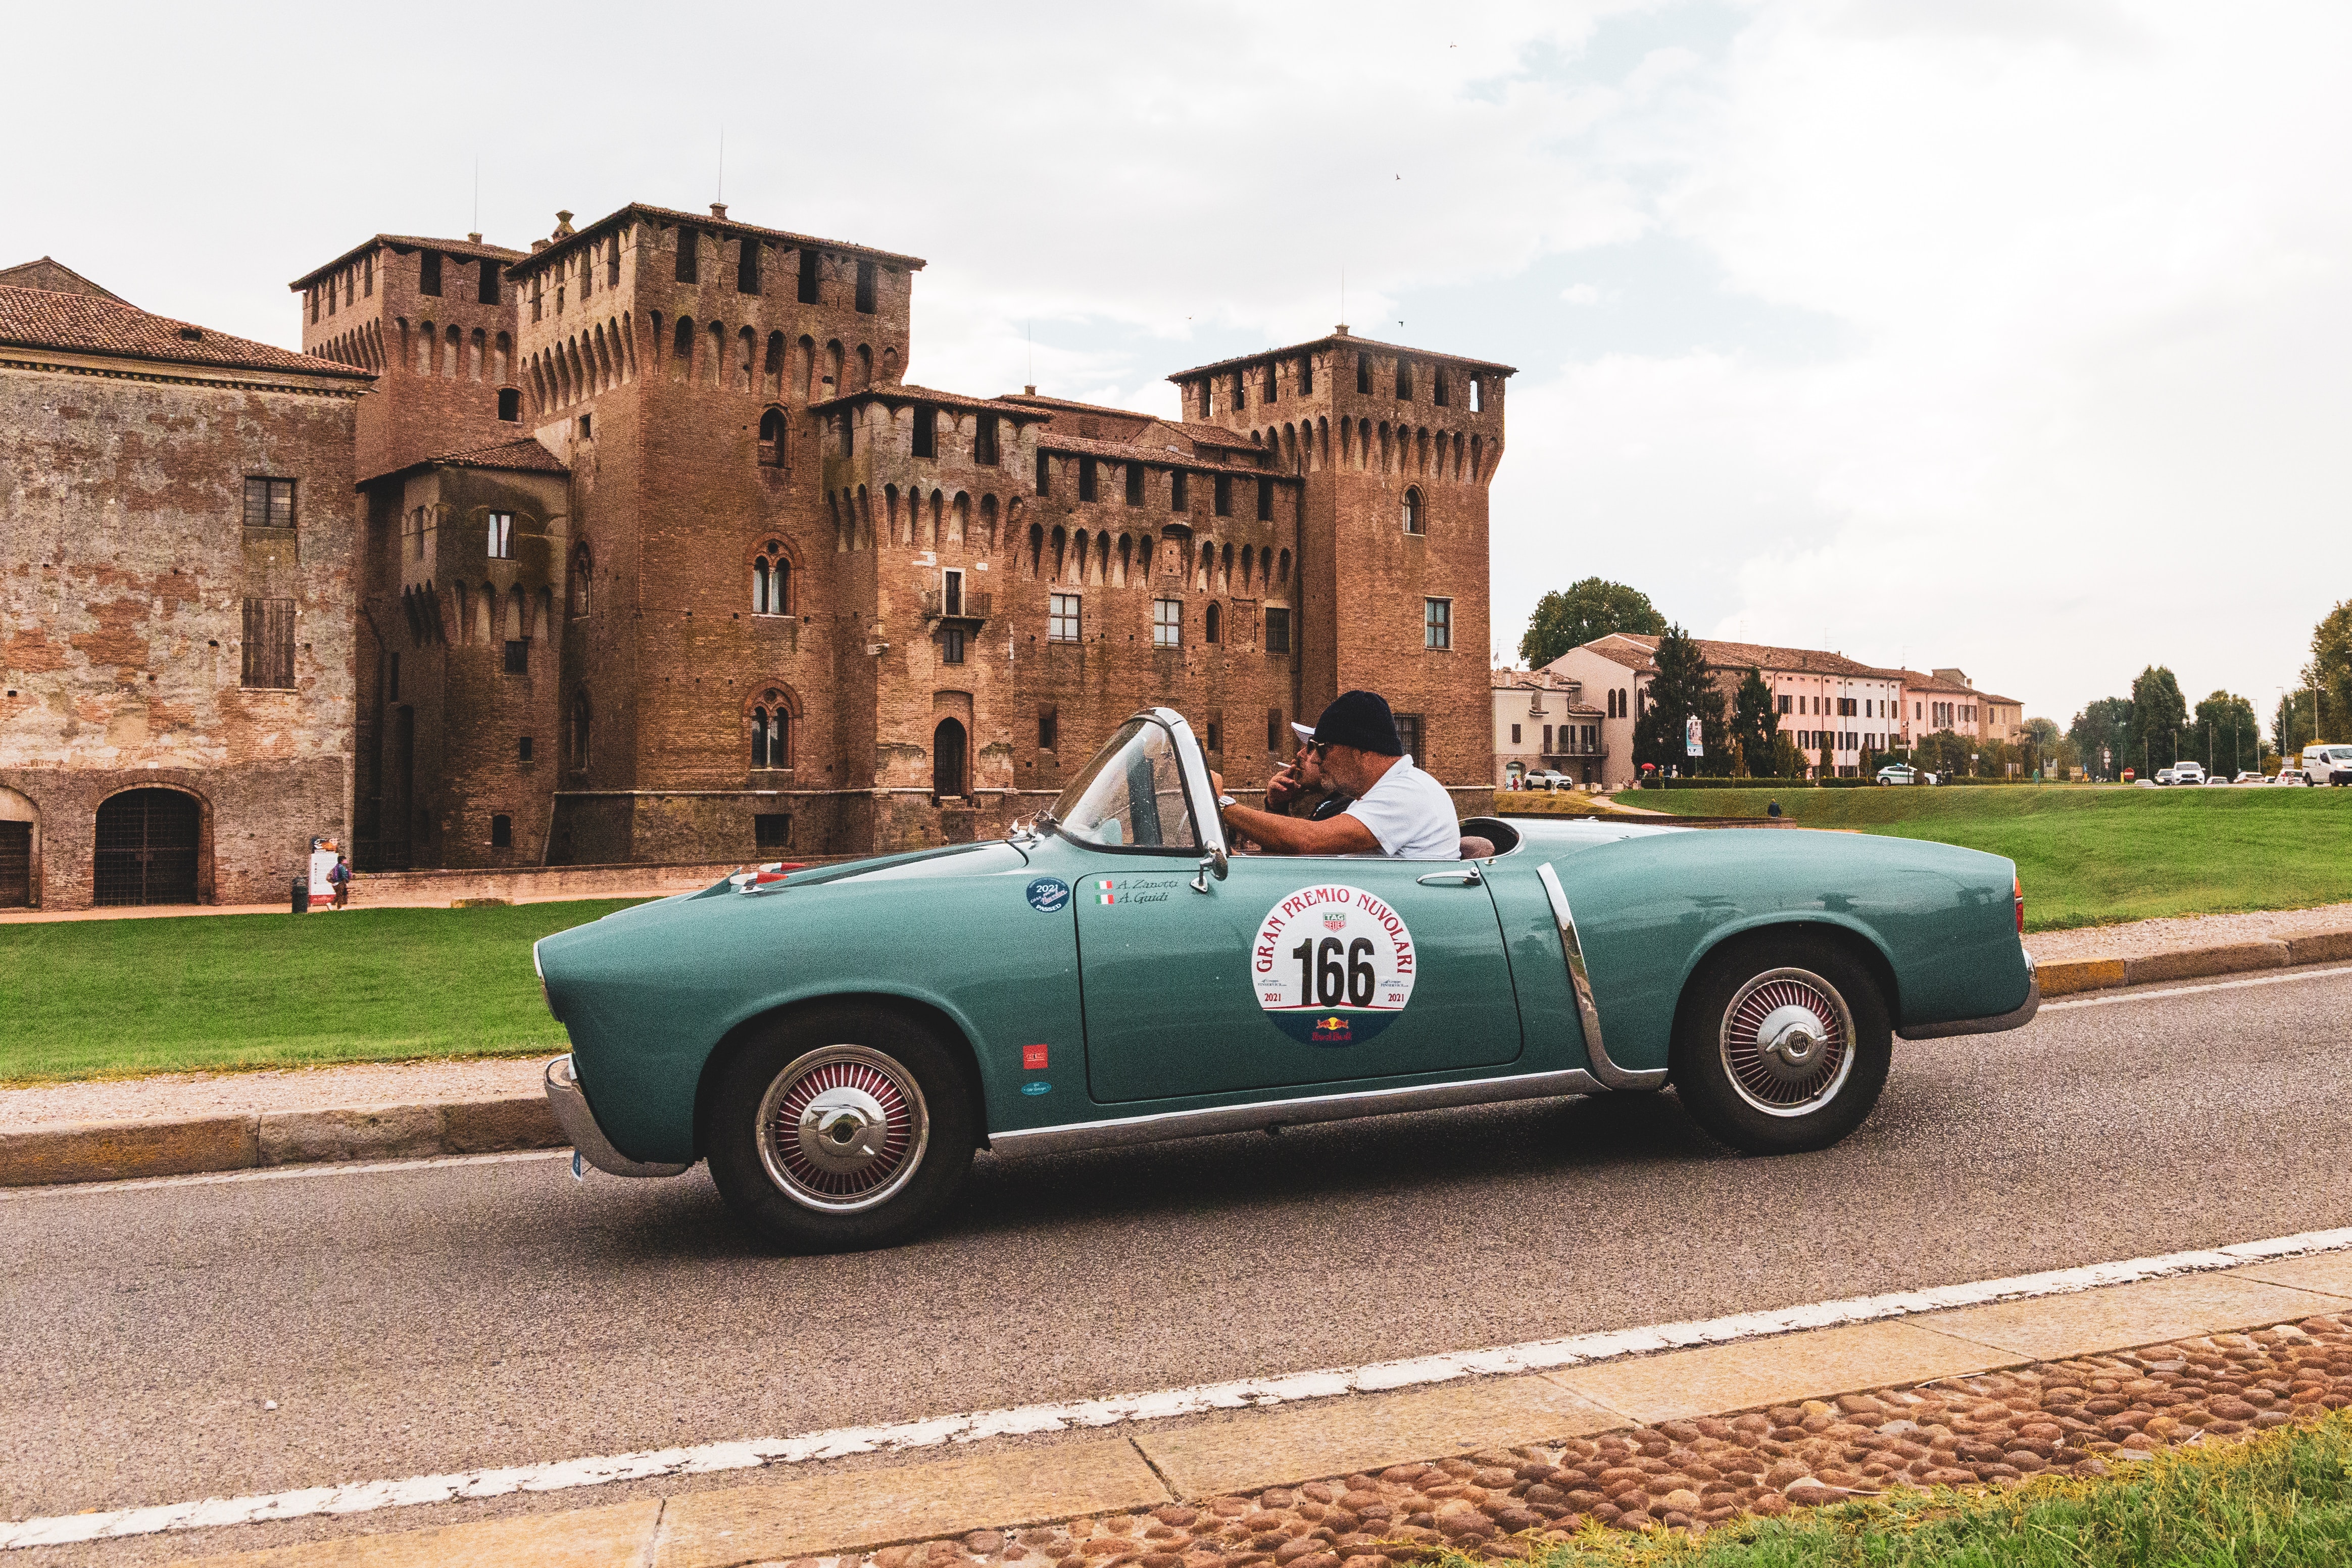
478 196
721 194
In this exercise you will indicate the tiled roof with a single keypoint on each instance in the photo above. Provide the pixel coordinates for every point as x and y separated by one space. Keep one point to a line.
1216 436
1992 697
1072 404
704 220
1337 340
1917 681
85 323
472 248
902 392
55 276
524 456
1165 457
1618 648
1764 656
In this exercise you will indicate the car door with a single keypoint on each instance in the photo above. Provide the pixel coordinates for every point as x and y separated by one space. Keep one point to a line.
1286 972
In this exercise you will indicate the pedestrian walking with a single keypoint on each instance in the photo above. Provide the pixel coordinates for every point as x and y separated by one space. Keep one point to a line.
340 876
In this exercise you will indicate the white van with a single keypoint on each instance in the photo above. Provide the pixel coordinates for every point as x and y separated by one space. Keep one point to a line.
2328 764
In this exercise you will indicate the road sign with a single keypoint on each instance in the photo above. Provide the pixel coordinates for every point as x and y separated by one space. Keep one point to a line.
1690 737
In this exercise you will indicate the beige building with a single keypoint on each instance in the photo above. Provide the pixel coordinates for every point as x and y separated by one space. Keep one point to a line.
1542 724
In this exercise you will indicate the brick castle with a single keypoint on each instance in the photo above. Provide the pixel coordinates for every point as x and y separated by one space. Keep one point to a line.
639 546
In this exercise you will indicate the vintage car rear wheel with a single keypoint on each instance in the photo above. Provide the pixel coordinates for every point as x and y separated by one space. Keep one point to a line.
1781 1045
840 1127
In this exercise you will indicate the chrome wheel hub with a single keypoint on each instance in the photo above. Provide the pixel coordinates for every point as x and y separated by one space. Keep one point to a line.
842 1129
1787 1041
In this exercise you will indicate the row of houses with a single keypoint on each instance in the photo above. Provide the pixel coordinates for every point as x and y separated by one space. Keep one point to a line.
1575 715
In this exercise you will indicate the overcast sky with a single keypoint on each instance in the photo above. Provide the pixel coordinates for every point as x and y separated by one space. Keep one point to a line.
2009 334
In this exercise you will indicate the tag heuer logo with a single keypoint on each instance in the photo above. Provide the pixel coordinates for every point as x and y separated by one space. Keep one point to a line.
1335 920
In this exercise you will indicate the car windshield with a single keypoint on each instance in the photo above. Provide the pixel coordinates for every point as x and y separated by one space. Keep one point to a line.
1132 795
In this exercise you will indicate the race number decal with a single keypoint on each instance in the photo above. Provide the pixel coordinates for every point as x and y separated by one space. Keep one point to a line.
1332 964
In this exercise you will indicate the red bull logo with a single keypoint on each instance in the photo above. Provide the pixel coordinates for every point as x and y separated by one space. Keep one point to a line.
1333 1030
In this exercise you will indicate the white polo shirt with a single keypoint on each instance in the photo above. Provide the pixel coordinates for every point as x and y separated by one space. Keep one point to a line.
1411 815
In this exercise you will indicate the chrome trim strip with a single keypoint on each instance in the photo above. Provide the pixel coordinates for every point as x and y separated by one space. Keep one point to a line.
579 1123
1155 1129
1579 980
2016 1019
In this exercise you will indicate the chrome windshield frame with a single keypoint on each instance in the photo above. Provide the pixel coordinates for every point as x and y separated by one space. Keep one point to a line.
1192 771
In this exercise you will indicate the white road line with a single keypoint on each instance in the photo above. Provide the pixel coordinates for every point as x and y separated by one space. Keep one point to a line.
279 1173
2192 990
363 1497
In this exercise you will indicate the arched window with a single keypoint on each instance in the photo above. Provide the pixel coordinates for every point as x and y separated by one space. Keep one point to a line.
772 438
510 405
948 759
771 582
771 732
1216 622
1413 521
147 845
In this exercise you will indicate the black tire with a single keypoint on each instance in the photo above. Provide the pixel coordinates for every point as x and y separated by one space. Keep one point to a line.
1834 1044
841 1127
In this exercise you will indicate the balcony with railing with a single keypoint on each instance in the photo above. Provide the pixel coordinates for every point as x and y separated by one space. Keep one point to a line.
955 605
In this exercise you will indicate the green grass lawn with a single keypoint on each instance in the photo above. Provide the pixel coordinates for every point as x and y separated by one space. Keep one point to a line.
2089 856
105 998
2281 1500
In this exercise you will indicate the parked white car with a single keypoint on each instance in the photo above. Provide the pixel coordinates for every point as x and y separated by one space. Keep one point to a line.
2181 774
2293 778
1897 774
1549 779
2251 778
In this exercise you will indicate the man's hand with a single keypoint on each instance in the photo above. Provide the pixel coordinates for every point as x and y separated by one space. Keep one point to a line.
1284 787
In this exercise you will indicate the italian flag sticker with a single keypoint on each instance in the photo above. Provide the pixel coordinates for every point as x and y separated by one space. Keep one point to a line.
1103 894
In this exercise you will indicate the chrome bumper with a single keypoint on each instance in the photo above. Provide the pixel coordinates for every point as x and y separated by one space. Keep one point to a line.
579 1124
2011 1020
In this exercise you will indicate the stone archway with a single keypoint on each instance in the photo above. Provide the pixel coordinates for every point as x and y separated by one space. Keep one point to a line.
950 760
148 847
20 850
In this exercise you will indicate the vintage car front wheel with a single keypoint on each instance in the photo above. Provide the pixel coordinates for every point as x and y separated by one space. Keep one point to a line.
1781 1045
840 1127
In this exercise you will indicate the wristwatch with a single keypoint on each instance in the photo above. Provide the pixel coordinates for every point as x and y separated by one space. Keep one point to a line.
1225 800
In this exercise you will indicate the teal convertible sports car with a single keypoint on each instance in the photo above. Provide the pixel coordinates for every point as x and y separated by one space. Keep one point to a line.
837 1042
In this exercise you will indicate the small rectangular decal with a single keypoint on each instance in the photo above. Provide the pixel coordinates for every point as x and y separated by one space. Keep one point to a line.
1033 1058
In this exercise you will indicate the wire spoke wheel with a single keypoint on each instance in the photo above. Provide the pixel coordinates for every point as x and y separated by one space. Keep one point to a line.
1787 1042
843 1128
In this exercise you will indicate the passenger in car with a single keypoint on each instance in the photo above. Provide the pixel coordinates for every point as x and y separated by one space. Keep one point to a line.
1397 810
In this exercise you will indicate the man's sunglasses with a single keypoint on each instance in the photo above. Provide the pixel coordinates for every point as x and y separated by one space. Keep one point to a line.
1321 749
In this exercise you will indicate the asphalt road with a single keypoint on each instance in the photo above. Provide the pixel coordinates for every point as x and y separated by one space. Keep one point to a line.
434 1319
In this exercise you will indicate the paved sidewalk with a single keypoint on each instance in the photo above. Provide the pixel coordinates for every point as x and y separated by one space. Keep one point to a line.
1684 1438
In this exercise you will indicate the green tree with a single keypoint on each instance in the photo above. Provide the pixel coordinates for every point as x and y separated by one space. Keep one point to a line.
2291 723
1592 608
2330 672
2038 741
1681 688
2228 735
1753 725
1944 754
2158 715
2102 734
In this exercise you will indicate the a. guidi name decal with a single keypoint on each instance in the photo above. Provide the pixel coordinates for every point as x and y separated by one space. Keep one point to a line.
1132 890
1332 964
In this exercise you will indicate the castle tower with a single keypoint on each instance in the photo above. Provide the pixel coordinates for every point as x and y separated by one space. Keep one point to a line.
1397 448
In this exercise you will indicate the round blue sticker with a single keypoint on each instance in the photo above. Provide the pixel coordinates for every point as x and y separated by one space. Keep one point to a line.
1037 1089
1049 894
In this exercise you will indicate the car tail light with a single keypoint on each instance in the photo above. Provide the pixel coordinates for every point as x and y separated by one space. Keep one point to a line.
2017 886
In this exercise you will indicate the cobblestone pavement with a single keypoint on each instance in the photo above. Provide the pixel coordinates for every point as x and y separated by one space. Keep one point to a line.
2081 1418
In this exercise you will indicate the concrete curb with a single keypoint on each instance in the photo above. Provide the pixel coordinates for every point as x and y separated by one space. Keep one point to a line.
116 1150
119 1151
852 1512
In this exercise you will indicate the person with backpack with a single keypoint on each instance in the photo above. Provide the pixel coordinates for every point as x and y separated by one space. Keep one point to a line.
339 877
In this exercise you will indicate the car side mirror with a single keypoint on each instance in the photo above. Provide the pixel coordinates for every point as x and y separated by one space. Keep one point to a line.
1213 864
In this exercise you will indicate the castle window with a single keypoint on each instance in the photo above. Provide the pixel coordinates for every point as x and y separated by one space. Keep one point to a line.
510 405
487 292
866 287
1477 395
429 276
1044 475
522 748
1278 629
1274 730
1265 390
1265 501
1213 627
770 732
1167 623
1135 484
771 583
951 645
1363 372
501 536
1409 734
926 432
1306 376
1437 387
1085 478
538 283
1225 495
1437 622
1049 727
772 830
269 503
1179 491
688 246
268 649
1217 736
984 441
808 277
501 832
1241 390
747 267
517 657
1404 380
772 438
367 275
612 264
1413 523
1062 618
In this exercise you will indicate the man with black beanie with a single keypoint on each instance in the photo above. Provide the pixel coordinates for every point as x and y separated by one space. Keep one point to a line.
1398 811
